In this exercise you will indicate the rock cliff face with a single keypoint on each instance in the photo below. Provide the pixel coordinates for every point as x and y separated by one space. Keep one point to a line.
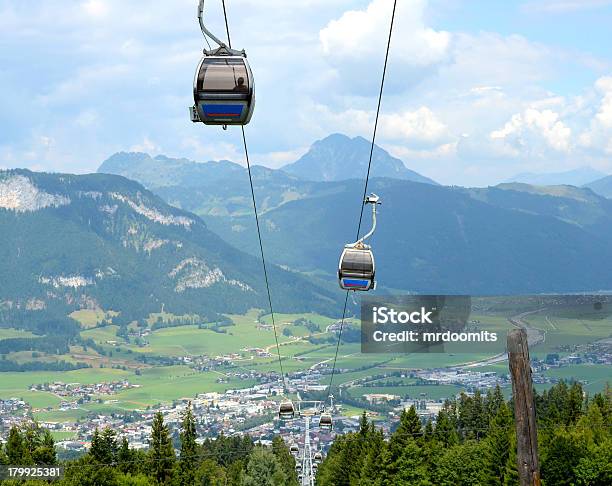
72 240
19 194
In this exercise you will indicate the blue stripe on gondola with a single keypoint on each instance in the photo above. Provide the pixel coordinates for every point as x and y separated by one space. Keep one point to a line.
233 111
349 282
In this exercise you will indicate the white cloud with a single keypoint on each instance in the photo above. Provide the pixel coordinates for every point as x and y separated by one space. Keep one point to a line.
355 43
359 33
418 129
147 145
526 131
598 137
604 115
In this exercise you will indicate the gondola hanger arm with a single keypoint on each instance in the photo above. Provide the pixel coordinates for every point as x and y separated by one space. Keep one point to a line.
374 200
223 47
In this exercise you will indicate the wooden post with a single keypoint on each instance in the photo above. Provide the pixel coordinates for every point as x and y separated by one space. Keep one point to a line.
524 408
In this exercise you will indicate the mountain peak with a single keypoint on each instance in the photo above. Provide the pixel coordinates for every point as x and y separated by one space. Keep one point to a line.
338 157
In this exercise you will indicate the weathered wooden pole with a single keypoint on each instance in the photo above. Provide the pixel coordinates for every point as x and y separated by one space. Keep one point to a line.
524 408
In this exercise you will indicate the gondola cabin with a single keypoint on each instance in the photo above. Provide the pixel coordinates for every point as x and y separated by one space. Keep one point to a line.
325 421
294 449
286 410
318 457
356 270
223 91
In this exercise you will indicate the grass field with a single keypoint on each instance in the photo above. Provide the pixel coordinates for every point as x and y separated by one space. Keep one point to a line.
39 399
596 376
60 415
164 384
9 332
60 436
91 318
433 392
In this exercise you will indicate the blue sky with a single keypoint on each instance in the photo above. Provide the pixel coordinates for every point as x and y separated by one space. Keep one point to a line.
477 90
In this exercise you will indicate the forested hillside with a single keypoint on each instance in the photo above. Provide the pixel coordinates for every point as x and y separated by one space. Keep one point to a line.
103 241
512 238
471 443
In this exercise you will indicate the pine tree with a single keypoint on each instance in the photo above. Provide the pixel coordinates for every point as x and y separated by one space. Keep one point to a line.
511 475
411 467
125 457
364 425
45 453
161 456
573 406
31 440
445 431
409 428
494 401
189 449
16 451
428 432
104 446
371 470
499 440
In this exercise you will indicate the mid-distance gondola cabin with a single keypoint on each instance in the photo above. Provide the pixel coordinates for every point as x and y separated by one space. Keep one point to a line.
318 457
356 270
286 410
325 421
223 91
294 449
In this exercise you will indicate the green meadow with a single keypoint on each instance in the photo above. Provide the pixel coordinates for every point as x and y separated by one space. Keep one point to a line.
164 384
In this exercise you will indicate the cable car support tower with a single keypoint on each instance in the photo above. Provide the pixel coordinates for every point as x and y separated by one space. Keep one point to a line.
308 474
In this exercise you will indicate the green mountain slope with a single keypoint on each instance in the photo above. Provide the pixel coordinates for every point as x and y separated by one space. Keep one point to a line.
211 188
440 239
511 238
103 240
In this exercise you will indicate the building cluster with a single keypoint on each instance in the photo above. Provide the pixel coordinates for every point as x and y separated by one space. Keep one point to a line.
253 410
463 377
75 391
13 411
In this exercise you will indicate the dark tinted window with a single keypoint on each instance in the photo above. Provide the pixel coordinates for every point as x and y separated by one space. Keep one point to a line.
223 75
357 261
